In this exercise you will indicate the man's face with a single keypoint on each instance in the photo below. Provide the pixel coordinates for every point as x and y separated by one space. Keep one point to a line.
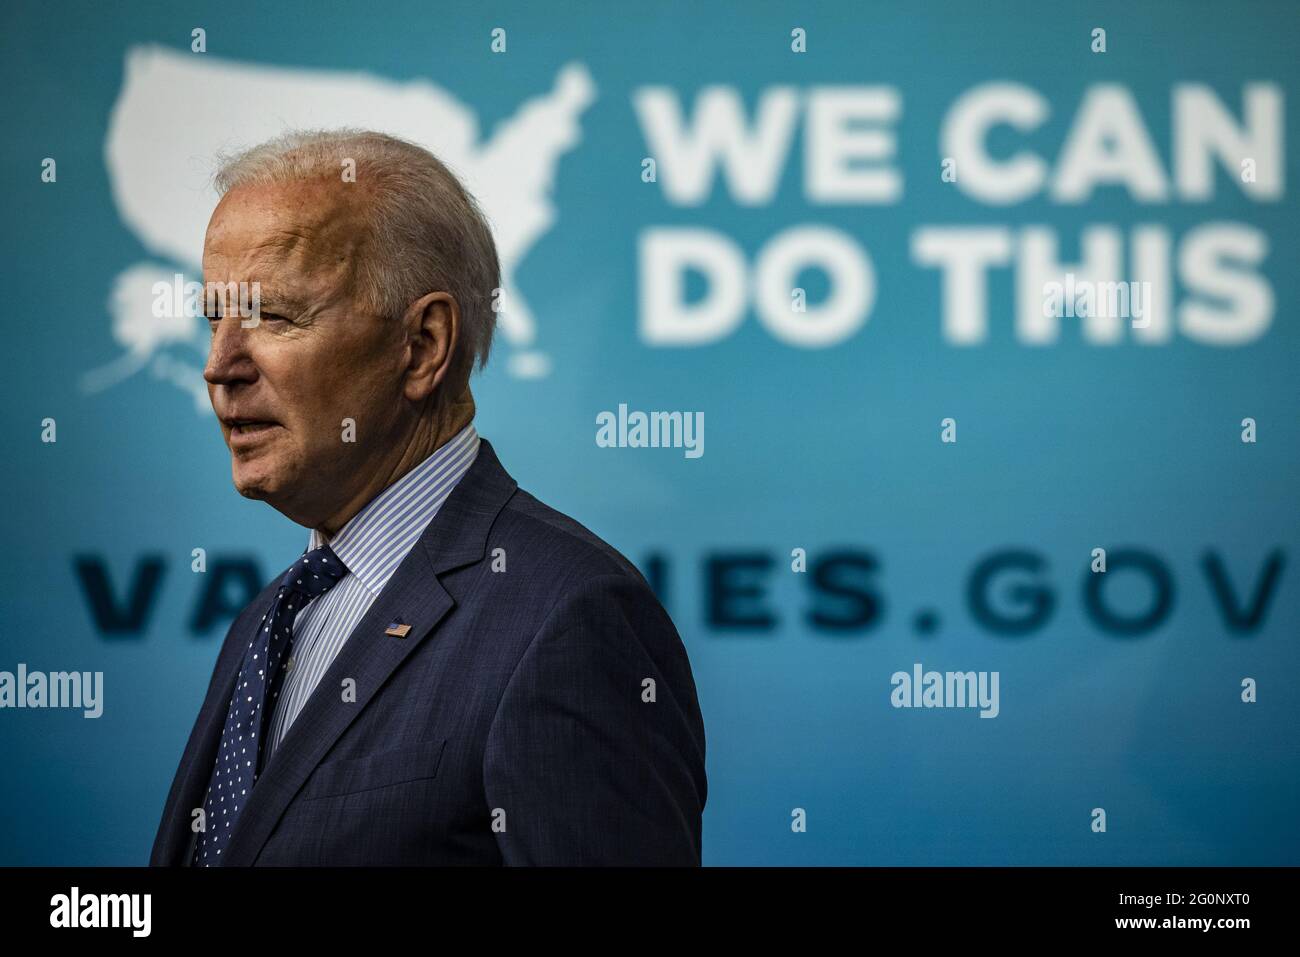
315 358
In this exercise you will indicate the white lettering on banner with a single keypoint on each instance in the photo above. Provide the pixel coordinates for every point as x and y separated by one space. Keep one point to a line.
1221 297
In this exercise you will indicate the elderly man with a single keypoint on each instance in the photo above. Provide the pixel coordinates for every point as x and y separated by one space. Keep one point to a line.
452 672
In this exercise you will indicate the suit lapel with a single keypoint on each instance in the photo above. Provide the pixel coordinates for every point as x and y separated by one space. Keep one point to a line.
456 536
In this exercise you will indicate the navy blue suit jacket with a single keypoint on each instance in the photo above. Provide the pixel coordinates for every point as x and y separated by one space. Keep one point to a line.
510 726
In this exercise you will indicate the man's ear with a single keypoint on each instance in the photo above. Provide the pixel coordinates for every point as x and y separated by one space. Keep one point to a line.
432 324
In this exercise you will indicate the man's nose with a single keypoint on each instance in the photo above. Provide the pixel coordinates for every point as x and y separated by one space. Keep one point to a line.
228 356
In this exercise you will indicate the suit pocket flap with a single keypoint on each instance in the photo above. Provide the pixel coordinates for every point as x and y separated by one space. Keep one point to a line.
410 763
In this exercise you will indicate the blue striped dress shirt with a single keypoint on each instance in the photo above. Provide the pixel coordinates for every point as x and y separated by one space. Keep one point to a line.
371 546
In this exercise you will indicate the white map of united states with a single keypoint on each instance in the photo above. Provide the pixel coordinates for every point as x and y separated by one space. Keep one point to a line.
177 110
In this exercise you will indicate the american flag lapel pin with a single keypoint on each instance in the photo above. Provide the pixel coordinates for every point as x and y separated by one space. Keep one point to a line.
397 629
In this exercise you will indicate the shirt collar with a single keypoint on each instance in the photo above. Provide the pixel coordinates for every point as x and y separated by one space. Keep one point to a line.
374 541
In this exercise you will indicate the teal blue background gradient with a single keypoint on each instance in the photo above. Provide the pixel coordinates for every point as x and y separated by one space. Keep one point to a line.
1061 449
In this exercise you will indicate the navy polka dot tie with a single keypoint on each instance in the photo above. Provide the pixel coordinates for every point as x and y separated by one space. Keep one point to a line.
239 758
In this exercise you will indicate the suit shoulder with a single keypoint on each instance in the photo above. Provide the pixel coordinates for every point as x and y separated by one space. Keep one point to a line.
572 551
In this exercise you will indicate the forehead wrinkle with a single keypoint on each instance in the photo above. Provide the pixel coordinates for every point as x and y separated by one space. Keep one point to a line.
304 239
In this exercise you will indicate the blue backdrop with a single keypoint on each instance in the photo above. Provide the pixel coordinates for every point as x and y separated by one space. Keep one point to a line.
836 447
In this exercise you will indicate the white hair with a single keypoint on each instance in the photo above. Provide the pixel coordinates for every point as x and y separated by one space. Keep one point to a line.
427 233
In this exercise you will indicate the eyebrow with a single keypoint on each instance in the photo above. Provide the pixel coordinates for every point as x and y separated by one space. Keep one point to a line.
266 302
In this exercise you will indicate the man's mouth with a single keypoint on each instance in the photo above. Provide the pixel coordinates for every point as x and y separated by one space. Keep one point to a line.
250 426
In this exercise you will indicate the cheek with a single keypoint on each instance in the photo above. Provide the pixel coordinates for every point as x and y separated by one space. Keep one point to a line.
302 386
322 383
363 391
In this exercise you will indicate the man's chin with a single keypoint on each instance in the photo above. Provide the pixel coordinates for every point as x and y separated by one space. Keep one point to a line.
255 492
253 483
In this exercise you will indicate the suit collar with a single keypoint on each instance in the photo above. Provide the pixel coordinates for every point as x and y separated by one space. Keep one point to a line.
458 534
372 543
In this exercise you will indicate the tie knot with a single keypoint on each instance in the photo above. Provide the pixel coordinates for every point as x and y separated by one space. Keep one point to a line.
315 573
